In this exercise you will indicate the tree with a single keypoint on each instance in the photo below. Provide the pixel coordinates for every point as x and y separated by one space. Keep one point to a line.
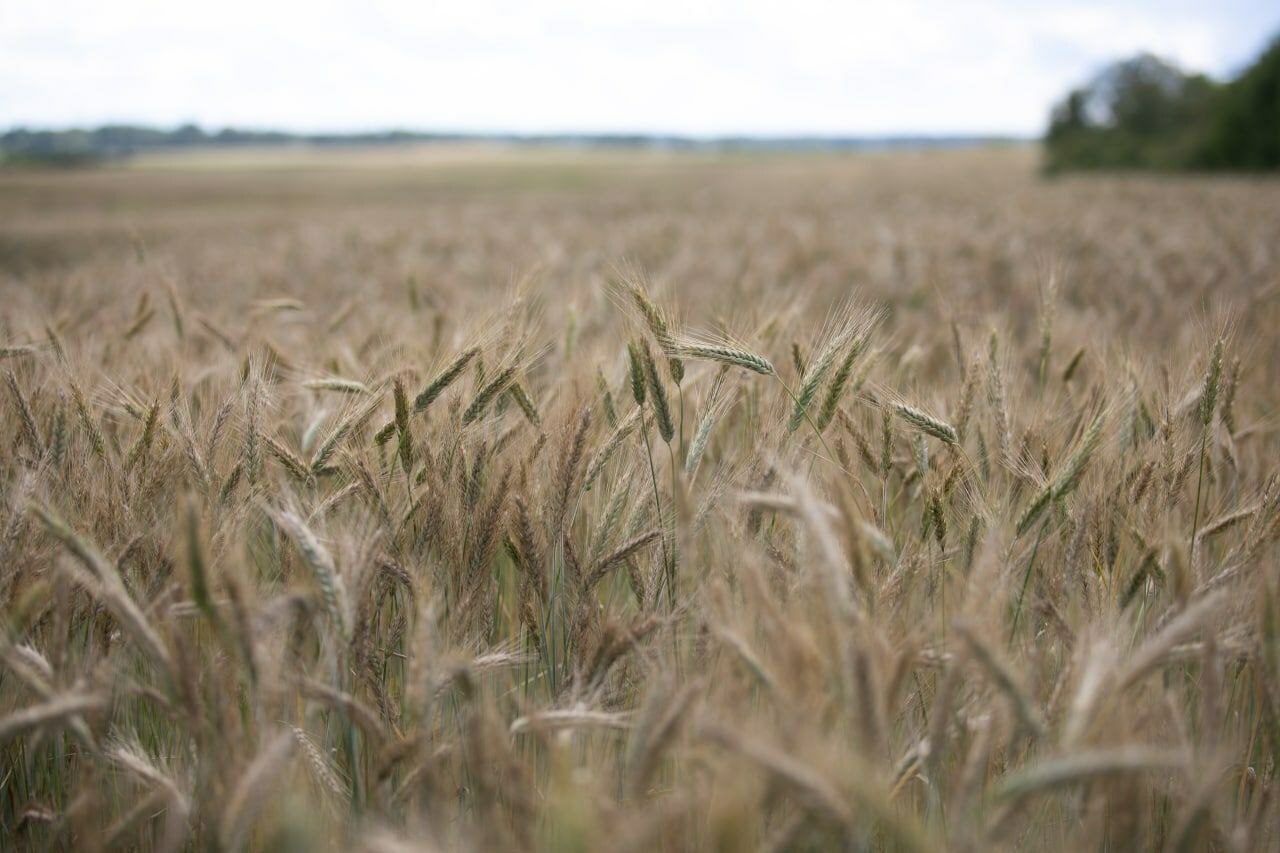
1146 113
1245 132
1142 112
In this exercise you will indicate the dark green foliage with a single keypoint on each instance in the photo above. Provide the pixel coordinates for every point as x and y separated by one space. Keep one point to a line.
1142 113
1145 113
1245 132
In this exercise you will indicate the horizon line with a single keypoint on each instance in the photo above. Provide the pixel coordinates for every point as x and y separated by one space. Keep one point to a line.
212 131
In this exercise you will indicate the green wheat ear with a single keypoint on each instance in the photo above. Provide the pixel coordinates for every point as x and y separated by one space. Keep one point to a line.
731 356
927 423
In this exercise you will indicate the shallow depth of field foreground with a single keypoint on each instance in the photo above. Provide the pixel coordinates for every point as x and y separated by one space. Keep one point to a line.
637 502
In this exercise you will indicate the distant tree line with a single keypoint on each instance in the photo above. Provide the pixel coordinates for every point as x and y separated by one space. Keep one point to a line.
1146 113
77 146
43 147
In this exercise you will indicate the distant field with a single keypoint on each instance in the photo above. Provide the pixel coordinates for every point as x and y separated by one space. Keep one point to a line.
45 214
413 156
513 499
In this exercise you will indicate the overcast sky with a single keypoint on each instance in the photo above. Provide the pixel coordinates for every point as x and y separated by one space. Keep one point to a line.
682 66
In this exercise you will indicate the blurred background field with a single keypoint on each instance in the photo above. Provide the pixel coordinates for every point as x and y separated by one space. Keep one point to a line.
929 220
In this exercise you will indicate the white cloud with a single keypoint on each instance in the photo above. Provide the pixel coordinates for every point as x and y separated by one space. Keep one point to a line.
666 65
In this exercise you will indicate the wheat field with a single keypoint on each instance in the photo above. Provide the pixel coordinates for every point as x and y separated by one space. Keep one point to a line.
626 501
